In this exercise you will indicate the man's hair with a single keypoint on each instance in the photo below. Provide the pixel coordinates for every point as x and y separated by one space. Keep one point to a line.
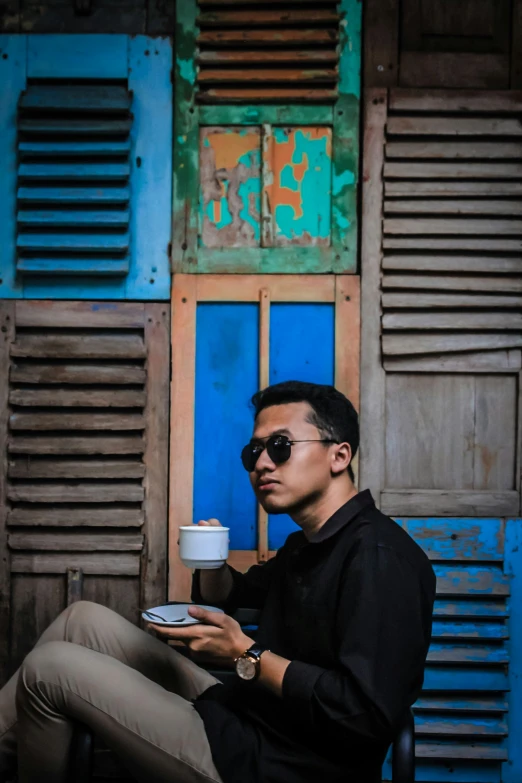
332 413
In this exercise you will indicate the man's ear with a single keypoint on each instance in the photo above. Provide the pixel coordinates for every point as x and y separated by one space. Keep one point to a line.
341 458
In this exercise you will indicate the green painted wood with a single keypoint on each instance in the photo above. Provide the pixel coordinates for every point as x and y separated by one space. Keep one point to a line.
274 260
259 115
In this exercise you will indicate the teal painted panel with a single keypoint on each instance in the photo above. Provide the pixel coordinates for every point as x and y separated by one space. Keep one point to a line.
81 56
54 267
72 196
512 770
458 539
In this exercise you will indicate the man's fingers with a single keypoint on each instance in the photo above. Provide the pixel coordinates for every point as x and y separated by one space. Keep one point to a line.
186 633
212 522
209 618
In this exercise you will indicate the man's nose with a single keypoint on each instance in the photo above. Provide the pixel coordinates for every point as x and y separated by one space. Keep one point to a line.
264 462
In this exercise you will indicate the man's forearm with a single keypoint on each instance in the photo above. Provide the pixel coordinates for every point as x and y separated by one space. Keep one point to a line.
215 584
273 669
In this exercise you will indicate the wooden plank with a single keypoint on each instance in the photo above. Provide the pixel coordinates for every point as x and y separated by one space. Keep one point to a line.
347 344
510 285
444 503
153 587
486 727
458 539
448 263
417 125
76 421
278 56
106 563
181 465
518 450
447 225
55 267
126 346
271 94
465 679
93 492
7 334
452 170
82 517
80 398
471 580
265 75
456 70
270 18
451 101
245 288
481 703
243 559
467 244
434 301
97 315
81 374
447 752
74 585
35 468
93 444
470 607
264 375
441 150
76 542
381 43
37 601
452 207
495 432
474 362
300 37
453 321
461 630
467 654
372 378
405 344
452 188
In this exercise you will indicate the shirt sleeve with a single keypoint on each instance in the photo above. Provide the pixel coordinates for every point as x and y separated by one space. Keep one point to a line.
249 590
383 628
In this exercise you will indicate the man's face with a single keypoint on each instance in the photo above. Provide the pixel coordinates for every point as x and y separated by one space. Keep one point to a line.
306 475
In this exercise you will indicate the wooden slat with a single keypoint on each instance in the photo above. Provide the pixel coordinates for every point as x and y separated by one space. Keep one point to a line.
96 315
451 101
274 94
454 170
103 563
267 75
79 517
480 703
470 607
7 326
478 580
245 288
54 267
405 344
434 301
126 346
77 421
59 444
448 263
448 503
458 539
475 362
444 725
66 468
447 225
89 398
452 207
467 654
467 244
300 37
416 125
92 492
447 752
88 374
153 587
277 56
461 630
451 188
510 285
88 219
453 321
74 585
347 336
257 17
440 150
77 542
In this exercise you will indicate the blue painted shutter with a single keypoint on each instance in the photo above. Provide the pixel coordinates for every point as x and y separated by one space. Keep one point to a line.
74 179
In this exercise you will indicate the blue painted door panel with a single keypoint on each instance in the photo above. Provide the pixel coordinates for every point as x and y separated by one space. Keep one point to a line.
97 227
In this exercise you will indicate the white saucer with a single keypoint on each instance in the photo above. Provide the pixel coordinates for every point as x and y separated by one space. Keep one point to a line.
171 613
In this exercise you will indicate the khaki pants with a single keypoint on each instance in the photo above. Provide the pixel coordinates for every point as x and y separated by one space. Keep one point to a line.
131 689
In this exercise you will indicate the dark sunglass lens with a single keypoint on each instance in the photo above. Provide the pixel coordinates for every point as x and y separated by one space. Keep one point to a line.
250 455
279 449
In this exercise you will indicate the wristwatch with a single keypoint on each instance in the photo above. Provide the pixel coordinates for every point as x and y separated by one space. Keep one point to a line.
248 665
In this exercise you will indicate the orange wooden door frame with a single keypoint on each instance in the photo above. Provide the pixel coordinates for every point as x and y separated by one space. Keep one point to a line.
187 292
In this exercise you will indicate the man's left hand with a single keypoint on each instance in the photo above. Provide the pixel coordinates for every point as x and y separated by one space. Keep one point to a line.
216 636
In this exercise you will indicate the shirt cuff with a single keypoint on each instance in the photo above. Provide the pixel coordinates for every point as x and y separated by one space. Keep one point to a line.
299 682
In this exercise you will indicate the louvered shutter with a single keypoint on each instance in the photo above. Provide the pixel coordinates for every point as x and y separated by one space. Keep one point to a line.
440 397
87 206
85 458
264 53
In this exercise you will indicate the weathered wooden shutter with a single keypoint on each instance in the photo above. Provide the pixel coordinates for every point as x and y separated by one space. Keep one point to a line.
440 395
85 187
264 53
85 445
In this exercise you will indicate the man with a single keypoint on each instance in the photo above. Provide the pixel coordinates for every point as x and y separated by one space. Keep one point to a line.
338 658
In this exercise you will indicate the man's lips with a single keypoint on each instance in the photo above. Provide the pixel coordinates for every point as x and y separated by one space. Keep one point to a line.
266 484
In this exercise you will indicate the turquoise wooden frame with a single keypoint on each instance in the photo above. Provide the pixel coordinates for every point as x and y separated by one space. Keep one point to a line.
342 116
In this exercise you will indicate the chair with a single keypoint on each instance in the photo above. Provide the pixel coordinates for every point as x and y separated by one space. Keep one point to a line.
403 752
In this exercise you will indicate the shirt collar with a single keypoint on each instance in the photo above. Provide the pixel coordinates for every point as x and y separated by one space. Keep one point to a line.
342 516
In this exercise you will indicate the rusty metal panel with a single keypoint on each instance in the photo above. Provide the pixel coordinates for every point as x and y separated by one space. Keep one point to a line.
297 177
230 162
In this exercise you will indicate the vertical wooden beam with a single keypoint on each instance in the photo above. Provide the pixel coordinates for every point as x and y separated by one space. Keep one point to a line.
264 380
267 221
518 455
74 585
7 334
516 46
381 43
372 372
347 341
156 456
181 483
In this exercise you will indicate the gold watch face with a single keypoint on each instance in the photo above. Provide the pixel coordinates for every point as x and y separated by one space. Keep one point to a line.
246 667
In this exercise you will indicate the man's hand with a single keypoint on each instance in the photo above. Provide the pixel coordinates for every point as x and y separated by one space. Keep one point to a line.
216 636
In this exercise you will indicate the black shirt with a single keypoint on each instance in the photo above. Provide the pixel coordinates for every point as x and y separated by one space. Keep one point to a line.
351 609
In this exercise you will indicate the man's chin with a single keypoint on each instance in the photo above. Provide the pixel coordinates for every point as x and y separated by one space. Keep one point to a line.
272 506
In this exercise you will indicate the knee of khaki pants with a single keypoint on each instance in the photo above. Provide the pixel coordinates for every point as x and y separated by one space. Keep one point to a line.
86 613
48 664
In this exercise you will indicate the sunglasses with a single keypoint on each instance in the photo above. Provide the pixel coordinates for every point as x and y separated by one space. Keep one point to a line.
278 447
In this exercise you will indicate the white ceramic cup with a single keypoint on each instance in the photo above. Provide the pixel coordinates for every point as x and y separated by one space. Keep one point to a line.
202 546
